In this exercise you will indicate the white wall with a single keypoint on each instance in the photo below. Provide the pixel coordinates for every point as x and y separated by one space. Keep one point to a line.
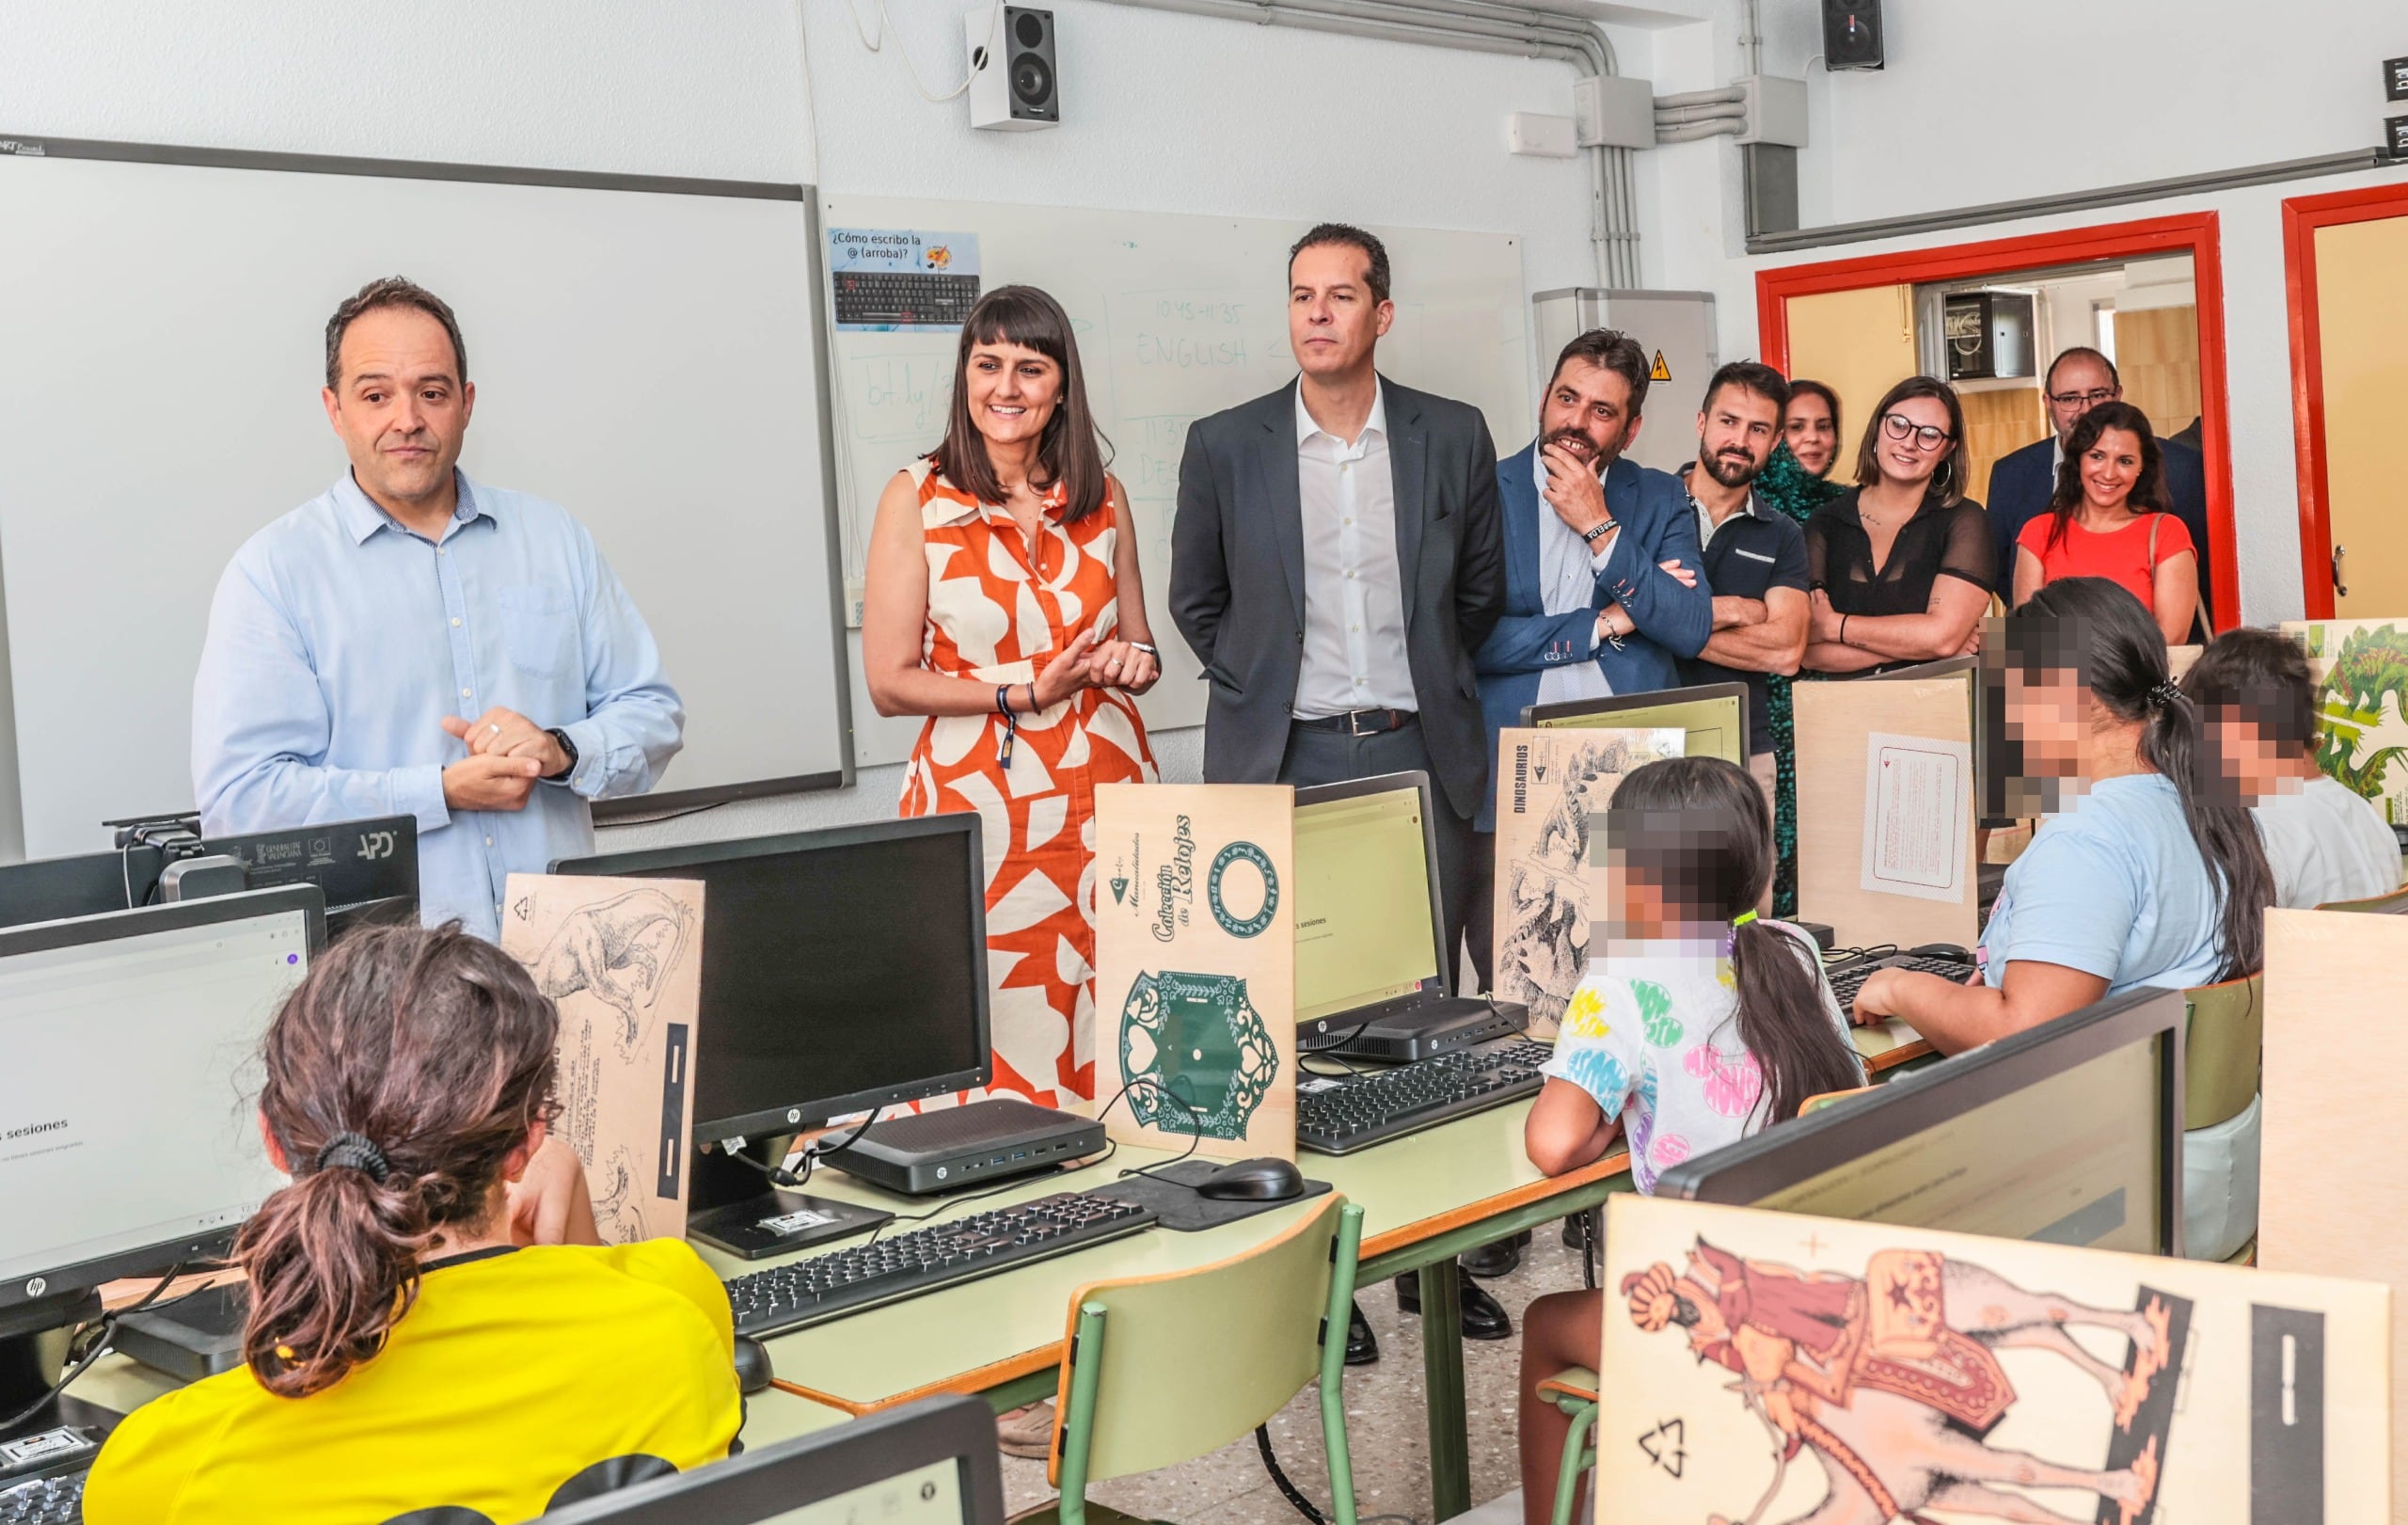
1161 112
1990 103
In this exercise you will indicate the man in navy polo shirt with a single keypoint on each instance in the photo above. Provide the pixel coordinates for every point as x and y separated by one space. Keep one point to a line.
1755 556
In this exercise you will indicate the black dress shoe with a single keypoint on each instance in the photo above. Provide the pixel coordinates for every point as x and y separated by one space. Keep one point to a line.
1483 1317
1491 1261
1362 1346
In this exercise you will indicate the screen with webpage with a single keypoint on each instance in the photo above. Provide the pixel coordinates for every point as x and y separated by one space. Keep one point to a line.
1363 930
2068 1160
1712 724
929 1495
129 1096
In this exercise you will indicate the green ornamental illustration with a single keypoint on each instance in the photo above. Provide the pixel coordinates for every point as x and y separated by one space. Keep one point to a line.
1194 1041
2370 665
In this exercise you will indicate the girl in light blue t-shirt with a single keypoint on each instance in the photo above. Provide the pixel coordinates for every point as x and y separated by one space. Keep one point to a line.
2145 877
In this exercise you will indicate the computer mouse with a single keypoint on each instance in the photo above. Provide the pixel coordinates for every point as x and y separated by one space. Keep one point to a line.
1941 950
753 1368
1263 1180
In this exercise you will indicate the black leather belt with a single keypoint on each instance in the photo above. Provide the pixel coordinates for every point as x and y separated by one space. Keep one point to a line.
1361 722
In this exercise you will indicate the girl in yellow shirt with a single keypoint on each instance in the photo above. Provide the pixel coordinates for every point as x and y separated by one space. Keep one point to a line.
435 1330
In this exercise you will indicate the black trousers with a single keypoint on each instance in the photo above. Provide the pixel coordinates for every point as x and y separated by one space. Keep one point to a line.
1319 757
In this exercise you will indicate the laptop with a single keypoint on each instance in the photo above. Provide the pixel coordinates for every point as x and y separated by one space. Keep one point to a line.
1371 960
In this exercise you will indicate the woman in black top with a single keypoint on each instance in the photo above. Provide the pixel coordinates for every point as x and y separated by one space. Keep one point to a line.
1900 564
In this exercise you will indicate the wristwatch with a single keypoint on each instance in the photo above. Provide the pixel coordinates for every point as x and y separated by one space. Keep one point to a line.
567 746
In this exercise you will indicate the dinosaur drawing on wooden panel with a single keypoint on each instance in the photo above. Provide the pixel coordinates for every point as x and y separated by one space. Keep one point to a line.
621 952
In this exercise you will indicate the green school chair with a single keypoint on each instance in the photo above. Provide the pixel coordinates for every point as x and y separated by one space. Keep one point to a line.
2222 1046
1573 1389
1162 1369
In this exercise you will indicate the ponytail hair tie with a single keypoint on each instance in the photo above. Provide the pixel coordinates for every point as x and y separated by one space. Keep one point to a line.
1731 938
355 1151
2164 696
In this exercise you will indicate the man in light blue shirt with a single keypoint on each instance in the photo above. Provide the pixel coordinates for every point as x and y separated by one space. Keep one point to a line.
412 642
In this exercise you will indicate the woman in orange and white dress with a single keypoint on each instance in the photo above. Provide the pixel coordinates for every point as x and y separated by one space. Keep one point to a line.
1003 604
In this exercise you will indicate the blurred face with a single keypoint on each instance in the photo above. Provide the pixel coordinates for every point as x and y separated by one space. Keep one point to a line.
2110 467
1915 439
1637 908
2047 714
402 409
1736 432
2076 387
1587 412
1334 322
1013 391
2248 762
1813 435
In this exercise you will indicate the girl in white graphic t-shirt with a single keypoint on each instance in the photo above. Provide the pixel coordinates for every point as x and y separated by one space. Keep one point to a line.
1700 1025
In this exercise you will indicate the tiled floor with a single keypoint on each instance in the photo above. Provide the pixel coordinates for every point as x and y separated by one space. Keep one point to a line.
1384 1425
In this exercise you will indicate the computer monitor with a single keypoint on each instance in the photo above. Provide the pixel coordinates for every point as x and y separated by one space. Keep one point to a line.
926 1463
1714 714
129 1139
366 871
1941 668
1367 910
2069 1134
843 969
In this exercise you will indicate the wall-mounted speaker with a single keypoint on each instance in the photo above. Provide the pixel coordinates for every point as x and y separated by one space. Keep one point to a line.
1851 34
1016 90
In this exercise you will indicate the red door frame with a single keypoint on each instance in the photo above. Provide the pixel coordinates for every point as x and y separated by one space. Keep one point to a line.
2301 216
2193 233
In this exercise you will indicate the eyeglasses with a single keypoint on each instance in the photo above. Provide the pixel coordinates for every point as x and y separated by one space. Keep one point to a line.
1899 427
2089 399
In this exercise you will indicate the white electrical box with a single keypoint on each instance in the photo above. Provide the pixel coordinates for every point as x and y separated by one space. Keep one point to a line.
1776 111
1544 136
1614 112
1675 329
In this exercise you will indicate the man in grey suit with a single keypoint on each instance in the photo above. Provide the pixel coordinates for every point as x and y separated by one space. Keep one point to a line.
1335 563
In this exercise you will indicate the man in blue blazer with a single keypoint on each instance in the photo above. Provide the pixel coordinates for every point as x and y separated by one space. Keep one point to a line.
1603 591
2022 482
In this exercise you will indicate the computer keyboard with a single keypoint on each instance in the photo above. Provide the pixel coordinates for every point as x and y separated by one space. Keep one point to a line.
58 1499
1341 1116
822 1287
1850 978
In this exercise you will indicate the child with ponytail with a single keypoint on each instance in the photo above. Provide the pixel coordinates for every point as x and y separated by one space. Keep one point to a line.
1701 1025
2148 870
435 1330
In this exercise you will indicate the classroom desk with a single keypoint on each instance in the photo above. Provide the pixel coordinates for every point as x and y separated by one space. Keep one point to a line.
1425 1200
1890 1045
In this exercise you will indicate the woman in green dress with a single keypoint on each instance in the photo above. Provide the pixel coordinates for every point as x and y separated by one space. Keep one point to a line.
1794 482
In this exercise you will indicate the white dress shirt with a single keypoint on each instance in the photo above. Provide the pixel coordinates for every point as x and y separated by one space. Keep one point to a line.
1354 652
1567 581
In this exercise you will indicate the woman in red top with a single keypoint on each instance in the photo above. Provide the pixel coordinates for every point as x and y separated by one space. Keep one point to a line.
2109 519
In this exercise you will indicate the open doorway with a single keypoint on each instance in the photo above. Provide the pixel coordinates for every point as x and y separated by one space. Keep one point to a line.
1993 336
1989 317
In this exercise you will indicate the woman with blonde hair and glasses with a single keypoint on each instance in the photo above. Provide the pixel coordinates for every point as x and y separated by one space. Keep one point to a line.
1900 564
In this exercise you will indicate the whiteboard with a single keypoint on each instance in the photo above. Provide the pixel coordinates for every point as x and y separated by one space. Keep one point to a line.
648 360
1177 316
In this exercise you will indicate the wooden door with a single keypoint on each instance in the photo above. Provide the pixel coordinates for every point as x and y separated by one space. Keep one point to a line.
2362 328
1859 343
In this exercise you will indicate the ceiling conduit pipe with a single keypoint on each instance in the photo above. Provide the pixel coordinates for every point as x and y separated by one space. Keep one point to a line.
1478 26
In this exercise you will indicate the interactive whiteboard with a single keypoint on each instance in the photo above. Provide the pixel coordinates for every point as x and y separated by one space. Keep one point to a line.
645 353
